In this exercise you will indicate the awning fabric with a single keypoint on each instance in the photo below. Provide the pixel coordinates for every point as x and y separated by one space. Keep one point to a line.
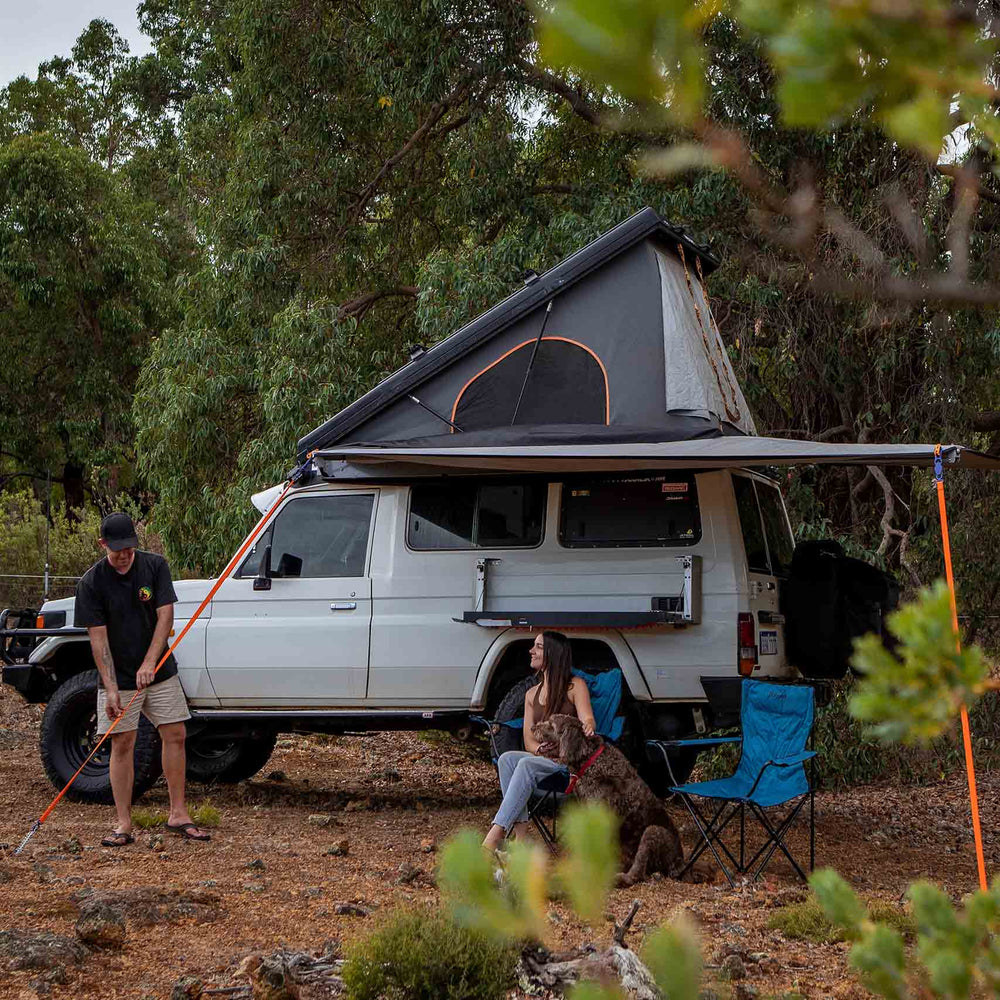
367 461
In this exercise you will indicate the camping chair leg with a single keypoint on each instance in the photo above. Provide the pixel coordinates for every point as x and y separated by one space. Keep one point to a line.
548 836
711 834
775 841
812 830
743 866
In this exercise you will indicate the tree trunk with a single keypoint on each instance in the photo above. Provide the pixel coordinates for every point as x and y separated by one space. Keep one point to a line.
73 487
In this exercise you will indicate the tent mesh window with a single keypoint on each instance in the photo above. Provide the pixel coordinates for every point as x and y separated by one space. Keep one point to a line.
630 511
457 515
567 385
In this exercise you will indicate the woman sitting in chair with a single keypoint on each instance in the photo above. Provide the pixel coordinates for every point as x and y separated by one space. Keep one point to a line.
558 693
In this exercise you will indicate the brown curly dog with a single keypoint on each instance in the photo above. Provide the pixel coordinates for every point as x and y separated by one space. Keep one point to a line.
649 840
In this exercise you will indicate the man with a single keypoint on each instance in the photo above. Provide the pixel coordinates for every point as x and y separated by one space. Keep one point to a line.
126 602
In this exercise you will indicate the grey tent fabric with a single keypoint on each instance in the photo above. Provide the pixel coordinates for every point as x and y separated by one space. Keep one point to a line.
628 341
739 451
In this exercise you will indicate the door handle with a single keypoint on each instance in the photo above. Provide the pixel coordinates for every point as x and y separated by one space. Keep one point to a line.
343 605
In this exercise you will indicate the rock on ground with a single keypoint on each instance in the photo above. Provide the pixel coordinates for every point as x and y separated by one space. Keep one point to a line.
101 925
28 950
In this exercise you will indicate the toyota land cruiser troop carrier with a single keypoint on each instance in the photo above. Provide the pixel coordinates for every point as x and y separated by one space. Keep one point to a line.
570 459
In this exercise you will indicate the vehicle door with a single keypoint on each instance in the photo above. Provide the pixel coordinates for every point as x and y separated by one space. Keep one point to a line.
305 640
767 541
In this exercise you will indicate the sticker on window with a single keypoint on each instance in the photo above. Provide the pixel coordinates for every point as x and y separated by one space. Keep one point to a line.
768 643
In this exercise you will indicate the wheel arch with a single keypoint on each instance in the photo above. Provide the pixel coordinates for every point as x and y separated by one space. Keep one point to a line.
496 667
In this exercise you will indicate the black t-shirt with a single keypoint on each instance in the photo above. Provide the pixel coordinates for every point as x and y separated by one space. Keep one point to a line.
126 604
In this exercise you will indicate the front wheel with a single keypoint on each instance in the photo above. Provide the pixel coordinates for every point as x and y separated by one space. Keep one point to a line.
69 733
227 759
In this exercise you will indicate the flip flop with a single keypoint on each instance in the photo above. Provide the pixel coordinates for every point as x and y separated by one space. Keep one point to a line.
118 840
184 830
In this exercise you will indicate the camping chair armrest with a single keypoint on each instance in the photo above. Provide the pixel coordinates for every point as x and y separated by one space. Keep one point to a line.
790 761
706 741
662 745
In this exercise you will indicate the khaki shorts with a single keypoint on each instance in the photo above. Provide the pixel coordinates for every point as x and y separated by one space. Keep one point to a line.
161 703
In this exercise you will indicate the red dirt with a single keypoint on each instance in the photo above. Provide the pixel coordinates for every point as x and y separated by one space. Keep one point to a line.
388 793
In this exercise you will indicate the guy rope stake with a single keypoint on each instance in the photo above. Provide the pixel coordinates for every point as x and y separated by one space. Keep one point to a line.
293 477
966 732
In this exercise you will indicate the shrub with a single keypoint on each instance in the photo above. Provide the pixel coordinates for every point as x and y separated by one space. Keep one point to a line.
807 921
73 548
146 819
421 955
206 815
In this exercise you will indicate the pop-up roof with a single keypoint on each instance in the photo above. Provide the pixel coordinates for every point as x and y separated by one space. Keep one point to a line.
616 343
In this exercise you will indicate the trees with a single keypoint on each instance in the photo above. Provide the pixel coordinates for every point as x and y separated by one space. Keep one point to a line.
82 291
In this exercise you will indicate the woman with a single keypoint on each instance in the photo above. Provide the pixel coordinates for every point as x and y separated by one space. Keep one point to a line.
558 693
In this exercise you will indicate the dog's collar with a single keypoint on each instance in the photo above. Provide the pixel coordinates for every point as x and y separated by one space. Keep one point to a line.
576 777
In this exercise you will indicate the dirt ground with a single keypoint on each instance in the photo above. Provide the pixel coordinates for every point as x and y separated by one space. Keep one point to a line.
389 795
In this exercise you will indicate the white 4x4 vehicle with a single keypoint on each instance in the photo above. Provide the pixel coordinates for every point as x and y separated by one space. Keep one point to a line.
571 459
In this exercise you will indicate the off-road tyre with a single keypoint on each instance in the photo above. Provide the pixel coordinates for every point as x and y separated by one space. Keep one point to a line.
511 707
67 735
227 760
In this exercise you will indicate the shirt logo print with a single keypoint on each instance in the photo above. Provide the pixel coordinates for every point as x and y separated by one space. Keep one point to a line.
145 593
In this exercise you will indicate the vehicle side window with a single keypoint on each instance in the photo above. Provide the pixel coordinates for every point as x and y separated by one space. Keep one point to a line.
461 515
753 530
622 511
779 536
251 561
322 537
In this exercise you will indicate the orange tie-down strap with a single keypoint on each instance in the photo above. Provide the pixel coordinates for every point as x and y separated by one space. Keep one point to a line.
223 576
970 768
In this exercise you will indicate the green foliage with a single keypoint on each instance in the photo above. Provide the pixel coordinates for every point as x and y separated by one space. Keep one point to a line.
915 695
513 907
427 956
957 949
808 921
147 819
901 68
73 548
467 879
673 955
206 815
591 861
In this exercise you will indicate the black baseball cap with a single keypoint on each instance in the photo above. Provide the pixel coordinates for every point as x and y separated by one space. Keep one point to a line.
118 532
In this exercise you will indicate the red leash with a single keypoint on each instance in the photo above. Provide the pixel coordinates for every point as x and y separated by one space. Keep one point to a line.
574 778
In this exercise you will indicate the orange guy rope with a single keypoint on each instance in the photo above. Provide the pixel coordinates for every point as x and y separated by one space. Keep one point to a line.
966 732
231 565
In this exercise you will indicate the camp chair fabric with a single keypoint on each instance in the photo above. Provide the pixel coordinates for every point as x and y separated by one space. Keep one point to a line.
776 720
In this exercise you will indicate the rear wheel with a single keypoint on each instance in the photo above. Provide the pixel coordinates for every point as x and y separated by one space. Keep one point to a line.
69 733
227 759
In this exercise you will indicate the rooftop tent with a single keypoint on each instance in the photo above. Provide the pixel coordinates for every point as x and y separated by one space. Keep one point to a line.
617 342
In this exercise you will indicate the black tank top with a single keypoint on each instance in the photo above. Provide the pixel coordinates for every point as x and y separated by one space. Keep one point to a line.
565 708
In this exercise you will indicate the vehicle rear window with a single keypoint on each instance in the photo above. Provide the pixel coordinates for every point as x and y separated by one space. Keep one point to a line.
624 511
459 515
753 530
779 535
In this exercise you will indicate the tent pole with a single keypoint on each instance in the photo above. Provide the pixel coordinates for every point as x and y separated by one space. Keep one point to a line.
431 410
531 363
970 769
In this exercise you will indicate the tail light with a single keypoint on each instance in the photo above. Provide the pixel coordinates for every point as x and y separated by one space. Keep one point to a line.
745 639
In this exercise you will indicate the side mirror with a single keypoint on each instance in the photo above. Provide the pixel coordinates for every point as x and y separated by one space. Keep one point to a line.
289 565
263 578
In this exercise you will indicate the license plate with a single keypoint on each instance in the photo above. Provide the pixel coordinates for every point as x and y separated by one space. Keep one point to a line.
768 643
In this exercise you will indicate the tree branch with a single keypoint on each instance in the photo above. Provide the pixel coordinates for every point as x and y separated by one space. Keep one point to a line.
553 84
358 307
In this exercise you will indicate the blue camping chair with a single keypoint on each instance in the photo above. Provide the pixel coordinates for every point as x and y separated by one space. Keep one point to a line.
605 691
776 720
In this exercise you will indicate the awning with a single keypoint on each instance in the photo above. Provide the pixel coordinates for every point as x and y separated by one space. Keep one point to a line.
368 461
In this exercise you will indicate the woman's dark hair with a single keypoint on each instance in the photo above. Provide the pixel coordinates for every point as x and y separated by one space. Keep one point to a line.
557 665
